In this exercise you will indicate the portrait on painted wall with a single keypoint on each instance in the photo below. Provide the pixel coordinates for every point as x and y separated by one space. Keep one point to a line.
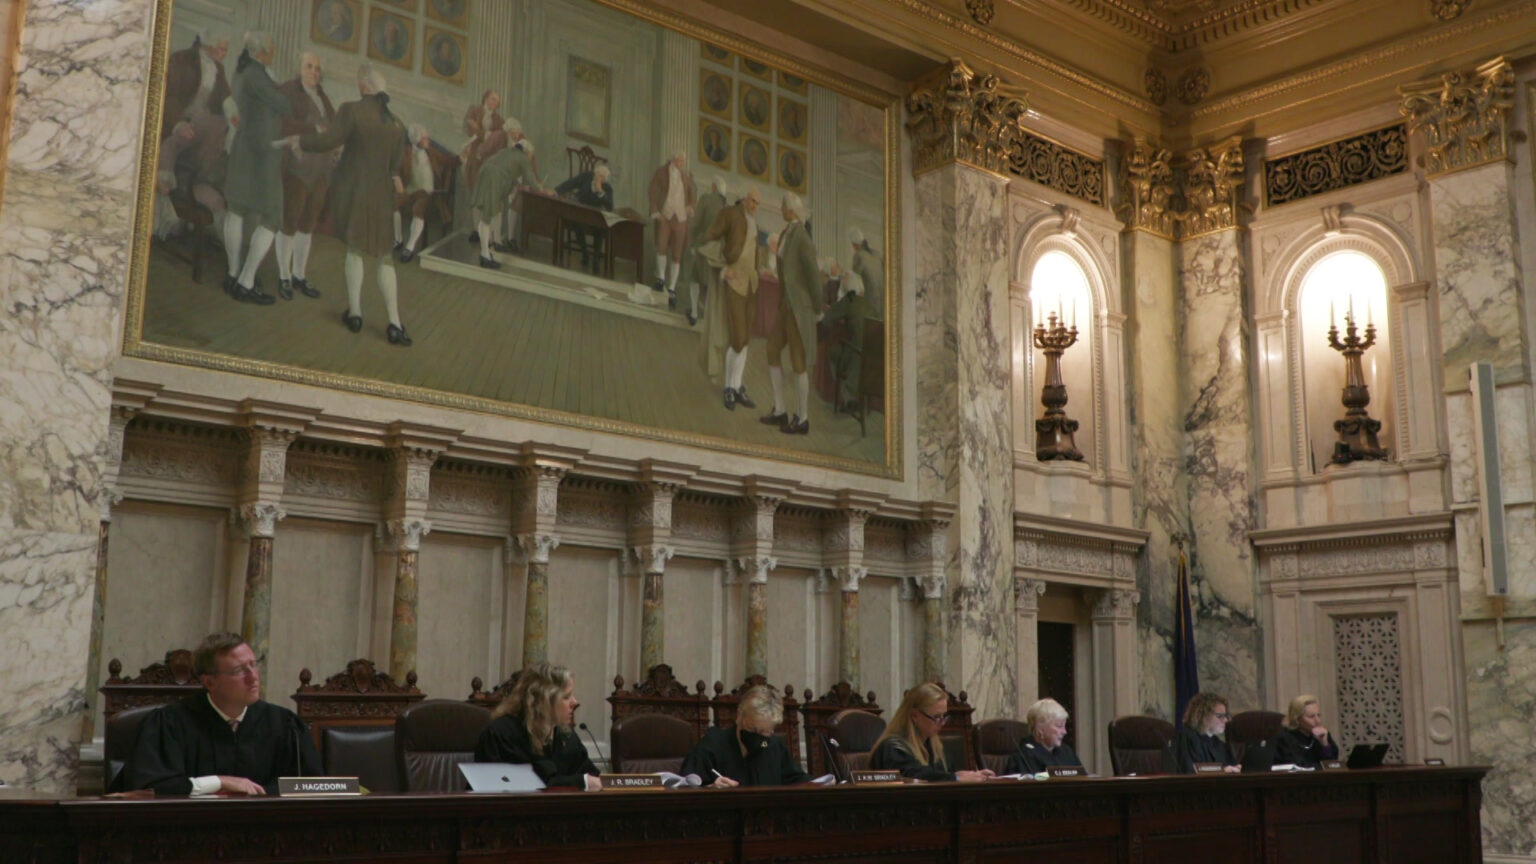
792 83
757 69
588 101
715 144
715 94
389 38
577 252
451 12
335 23
716 54
444 56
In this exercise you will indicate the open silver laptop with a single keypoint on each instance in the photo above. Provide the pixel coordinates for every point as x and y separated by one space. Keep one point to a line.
500 777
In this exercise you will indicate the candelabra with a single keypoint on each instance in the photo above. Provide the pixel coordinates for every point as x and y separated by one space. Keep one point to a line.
1054 431
1357 431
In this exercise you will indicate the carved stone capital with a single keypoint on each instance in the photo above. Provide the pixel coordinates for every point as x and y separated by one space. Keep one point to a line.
407 532
1117 604
933 585
410 477
111 496
259 519
117 431
848 578
1027 594
1213 188
535 548
752 523
1464 117
755 567
1149 188
653 559
959 115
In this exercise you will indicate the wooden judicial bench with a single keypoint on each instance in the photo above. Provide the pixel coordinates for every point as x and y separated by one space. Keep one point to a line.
1383 816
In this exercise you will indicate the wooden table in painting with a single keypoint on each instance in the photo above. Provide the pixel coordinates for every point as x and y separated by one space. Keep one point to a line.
1385 816
548 215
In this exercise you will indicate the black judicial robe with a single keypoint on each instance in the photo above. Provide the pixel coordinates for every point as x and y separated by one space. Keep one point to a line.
719 751
1299 748
564 762
1190 747
1032 757
189 739
895 754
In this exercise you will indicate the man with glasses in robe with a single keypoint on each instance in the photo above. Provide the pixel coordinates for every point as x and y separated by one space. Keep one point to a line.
224 739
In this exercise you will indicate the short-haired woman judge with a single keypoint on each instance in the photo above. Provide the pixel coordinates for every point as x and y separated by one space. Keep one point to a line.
1204 719
1304 742
532 726
910 743
1047 722
747 754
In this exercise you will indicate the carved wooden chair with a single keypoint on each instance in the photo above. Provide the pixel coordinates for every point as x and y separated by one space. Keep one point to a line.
660 693
582 159
959 744
431 738
996 741
352 718
156 684
818 713
1137 745
489 699
724 707
1252 727
854 732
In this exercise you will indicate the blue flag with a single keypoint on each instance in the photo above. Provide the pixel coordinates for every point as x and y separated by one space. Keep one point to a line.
1186 674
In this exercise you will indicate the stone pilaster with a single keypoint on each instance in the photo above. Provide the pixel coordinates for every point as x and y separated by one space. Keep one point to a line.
260 509
650 536
848 579
405 535
1026 614
535 510
535 550
843 554
964 131
414 449
752 557
756 571
928 549
1114 640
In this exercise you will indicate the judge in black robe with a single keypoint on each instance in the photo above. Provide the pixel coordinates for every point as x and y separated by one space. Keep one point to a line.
910 743
1043 748
896 754
766 763
190 739
1205 718
564 761
1304 742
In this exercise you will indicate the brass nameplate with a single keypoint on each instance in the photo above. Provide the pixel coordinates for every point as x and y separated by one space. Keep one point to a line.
621 782
867 777
1208 767
1434 763
317 787
1067 771
1331 765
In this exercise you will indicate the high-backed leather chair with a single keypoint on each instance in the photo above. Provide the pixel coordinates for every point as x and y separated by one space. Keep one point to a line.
724 707
1137 745
364 752
646 743
122 733
855 731
432 737
1251 727
818 714
996 740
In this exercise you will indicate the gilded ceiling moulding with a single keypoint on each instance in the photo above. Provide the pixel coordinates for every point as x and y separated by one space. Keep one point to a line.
1463 116
1448 10
981 11
1182 198
959 115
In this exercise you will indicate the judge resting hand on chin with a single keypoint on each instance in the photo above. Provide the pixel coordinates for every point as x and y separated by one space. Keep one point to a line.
532 726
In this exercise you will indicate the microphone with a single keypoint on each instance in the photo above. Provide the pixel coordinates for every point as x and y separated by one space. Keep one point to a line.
583 727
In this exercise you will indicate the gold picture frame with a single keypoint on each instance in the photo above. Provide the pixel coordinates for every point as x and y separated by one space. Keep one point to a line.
794 120
391 38
715 144
755 158
791 169
454 13
173 318
757 69
716 54
792 83
336 23
715 94
755 108
435 63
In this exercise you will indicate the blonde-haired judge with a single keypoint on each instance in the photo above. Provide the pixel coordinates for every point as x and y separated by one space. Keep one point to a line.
1305 741
532 726
910 743
1044 748
747 754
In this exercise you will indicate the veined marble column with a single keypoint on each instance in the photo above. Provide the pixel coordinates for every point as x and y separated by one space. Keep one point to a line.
68 202
536 548
959 119
848 579
653 632
756 570
933 629
1026 616
259 521
407 534
927 547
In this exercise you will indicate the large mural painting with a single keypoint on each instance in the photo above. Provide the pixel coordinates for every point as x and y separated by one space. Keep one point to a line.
585 213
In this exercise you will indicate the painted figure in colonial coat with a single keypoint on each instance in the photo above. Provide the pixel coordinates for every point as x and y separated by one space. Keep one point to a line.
794 332
736 229
696 266
254 185
870 268
195 85
480 123
306 176
672 201
501 177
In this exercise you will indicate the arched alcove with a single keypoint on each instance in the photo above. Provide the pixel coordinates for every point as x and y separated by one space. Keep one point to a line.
1059 291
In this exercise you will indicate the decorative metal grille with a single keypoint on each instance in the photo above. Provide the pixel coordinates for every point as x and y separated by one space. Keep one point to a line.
1336 165
1052 165
1368 660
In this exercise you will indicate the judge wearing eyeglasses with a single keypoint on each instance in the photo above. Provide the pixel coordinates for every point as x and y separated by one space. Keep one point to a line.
911 743
1047 722
1199 741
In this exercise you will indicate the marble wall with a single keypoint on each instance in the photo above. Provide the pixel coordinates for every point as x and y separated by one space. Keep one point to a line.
65 215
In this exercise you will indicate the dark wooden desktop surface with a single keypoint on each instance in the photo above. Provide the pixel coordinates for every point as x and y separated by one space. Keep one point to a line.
1390 816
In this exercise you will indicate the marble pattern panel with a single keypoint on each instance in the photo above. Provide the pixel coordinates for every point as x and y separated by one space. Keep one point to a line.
1478 272
63 265
1501 699
1218 463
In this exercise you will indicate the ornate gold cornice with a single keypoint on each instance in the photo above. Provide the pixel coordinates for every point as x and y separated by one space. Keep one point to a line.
1463 117
959 115
1168 27
1199 193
